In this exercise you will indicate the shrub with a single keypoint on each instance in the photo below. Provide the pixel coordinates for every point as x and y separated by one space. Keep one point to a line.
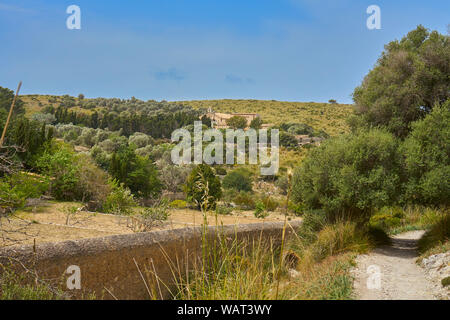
244 200
223 210
436 235
239 180
92 182
427 158
221 171
260 210
203 187
120 201
350 175
15 286
256 123
270 204
150 218
296 208
237 122
137 173
58 162
288 140
388 218
283 184
178 204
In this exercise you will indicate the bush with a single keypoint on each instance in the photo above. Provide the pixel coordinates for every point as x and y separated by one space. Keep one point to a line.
388 218
427 158
239 180
15 286
260 210
283 184
120 201
137 173
58 161
350 175
221 171
223 210
288 140
92 182
150 218
237 122
178 204
270 204
203 187
244 200
296 208
437 234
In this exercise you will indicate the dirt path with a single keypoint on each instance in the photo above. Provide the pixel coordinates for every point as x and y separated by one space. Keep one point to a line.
400 277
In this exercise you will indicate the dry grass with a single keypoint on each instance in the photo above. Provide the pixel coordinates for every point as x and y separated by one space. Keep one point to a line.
315 264
321 116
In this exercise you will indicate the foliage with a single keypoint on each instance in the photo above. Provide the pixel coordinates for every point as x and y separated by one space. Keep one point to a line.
135 172
245 200
296 208
239 179
350 175
58 162
223 210
31 137
178 204
203 181
283 184
172 176
394 219
288 140
318 115
6 98
150 217
92 182
237 122
260 210
437 234
410 77
46 118
270 204
157 119
15 286
120 201
221 171
17 188
256 123
427 158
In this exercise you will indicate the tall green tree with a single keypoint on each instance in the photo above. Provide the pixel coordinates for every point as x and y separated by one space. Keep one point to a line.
6 98
409 78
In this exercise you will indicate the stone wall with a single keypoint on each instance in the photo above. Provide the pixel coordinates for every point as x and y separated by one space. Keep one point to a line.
118 263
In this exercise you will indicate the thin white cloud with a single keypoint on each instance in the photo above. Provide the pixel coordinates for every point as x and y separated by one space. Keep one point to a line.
12 8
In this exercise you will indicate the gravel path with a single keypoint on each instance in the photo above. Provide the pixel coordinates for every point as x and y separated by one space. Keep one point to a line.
400 277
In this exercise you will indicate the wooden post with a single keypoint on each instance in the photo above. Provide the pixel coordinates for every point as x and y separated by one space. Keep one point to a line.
10 114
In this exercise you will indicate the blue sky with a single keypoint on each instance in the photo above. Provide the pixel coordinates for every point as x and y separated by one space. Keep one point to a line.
290 50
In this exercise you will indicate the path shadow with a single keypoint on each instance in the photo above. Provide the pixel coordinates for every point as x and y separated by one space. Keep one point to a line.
400 248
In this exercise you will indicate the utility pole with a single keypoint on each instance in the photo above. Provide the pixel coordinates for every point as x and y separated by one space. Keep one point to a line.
10 114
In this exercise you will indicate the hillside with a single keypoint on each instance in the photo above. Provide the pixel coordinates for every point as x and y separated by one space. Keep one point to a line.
320 116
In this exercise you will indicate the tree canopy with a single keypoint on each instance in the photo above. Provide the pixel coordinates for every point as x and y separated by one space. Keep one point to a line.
409 78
